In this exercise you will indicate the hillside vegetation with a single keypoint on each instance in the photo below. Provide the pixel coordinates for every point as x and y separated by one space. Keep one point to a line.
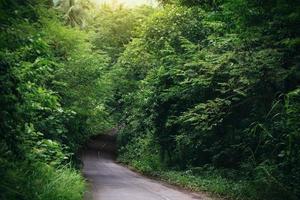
206 94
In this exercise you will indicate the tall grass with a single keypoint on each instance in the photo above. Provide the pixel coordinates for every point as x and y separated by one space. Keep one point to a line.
41 182
62 184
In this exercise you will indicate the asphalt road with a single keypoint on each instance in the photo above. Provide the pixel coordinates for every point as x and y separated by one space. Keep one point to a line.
111 181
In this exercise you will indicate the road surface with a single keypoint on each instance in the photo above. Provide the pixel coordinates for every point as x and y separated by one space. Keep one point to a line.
111 181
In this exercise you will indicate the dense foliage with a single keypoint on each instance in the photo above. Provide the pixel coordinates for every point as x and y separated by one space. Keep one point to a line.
216 85
114 28
206 94
47 70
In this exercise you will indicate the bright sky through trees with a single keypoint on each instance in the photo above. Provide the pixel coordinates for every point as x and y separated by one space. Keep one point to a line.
128 2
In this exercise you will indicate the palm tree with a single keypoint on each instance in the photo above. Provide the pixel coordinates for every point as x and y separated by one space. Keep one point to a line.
76 12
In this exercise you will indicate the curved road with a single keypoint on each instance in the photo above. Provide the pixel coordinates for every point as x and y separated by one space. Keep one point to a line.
111 181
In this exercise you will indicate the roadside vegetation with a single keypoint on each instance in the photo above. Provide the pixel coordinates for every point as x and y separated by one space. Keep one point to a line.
212 97
206 94
49 75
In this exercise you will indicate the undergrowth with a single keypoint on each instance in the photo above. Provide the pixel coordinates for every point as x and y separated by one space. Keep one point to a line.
40 181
